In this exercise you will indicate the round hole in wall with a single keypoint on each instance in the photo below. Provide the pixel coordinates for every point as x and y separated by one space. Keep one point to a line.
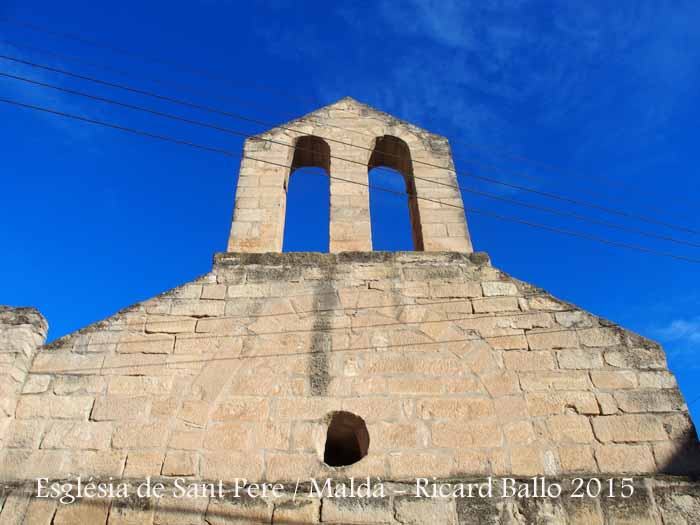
347 440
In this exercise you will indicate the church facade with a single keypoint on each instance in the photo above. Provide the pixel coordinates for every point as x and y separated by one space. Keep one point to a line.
353 366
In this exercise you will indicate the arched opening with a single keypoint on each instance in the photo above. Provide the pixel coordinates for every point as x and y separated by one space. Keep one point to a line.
392 228
307 220
347 440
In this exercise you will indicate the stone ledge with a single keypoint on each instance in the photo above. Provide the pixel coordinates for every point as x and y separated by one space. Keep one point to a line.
655 499
326 259
23 315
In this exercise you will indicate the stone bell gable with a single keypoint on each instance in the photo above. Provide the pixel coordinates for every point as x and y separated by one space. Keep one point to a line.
346 139
290 366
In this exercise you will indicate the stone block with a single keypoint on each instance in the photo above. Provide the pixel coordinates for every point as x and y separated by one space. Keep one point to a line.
214 291
574 319
67 363
134 364
509 408
270 435
495 304
472 462
619 459
180 464
657 380
363 511
298 510
389 436
458 435
419 511
494 288
519 433
135 386
679 426
577 459
40 511
545 302
65 385
468 408
242 409
607 404
555 380
24 433
36 384
456 290
579 359
524 360
78 435
139 435
99 463
226 436
290 467
570 429
552 340
238 512
142 464
170 324
636 401
229 465
599 337
527 460
56 407
613 380
94 511
409 464
628 428
186 439
637 358
147 344
508 342
552 403
373 409
121 408
501 382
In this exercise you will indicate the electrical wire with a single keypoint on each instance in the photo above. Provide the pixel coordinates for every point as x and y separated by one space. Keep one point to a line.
239 133
345 143
371 186
290 354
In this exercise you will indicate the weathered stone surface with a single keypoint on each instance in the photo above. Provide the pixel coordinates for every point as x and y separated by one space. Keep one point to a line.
492 288
78 435
613 380
641 401
628 428
621 459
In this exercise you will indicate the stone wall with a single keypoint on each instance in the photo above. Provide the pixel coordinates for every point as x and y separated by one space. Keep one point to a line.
22 332
456 368
654 501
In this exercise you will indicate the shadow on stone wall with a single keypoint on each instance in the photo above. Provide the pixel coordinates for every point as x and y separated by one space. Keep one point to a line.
685 459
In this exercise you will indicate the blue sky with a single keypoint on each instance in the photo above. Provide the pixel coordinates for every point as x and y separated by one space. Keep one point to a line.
592 100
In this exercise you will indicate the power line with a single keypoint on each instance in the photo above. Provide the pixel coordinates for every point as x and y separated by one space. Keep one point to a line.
264 123
290 354
132 54
292 146
188 87
325 310
496 168
128 74
333 328
218 76
371 186
164 62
